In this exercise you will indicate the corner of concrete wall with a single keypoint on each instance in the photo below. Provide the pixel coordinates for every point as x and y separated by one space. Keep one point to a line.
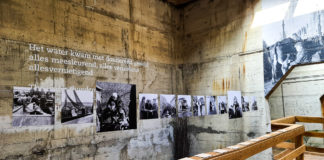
221 52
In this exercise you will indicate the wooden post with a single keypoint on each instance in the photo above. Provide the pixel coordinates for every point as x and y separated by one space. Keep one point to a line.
322 103
299 142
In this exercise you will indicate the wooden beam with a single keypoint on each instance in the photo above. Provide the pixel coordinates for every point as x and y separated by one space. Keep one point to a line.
322 102
314 149
277 126
299 142
314 134
286 145
306 119
289 120
296 153
282 154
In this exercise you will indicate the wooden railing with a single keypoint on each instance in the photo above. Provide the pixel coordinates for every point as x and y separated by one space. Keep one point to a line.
285 135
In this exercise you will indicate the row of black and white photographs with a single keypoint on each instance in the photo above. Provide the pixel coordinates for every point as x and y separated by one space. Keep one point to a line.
116 106
188 105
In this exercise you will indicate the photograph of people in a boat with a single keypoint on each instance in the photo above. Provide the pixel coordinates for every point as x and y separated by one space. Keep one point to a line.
33 106
116 106
148 106
77 107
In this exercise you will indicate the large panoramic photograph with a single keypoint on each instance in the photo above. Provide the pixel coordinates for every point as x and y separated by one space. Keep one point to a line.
296 39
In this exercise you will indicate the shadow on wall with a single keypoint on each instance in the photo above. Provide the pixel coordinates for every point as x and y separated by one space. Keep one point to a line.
181 138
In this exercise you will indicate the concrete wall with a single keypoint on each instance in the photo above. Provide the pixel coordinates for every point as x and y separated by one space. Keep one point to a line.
138 29
299 94
221 52
207 47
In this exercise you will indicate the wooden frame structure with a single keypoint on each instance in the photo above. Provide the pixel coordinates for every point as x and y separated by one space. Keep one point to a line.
286 134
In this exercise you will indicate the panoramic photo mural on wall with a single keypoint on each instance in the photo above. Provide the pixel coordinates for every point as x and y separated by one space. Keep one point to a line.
295 37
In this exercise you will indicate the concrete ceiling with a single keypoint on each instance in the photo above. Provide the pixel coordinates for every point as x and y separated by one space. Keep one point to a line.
179 2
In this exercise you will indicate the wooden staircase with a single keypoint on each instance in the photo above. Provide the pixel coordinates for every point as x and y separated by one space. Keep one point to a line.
286 137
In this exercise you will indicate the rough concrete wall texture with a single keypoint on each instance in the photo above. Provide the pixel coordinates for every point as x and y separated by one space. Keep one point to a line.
221 52
206 48
141 30
299 94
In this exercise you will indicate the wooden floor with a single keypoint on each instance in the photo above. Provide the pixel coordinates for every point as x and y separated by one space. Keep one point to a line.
313 156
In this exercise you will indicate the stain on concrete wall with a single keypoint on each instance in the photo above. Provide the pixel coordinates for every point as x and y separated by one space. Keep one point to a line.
221 52
205 48
141 30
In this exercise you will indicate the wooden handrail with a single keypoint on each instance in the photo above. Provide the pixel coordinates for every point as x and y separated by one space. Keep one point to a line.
294 154
309 119
286 145
283 129
282 154
314 134
277 126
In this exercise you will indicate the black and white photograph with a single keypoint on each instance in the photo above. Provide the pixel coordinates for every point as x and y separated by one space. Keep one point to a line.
116 106
33 106
253 103
168 106
234 104
222 104
184 106
211 105
198 105
77 107
245 104
296 39
148 105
